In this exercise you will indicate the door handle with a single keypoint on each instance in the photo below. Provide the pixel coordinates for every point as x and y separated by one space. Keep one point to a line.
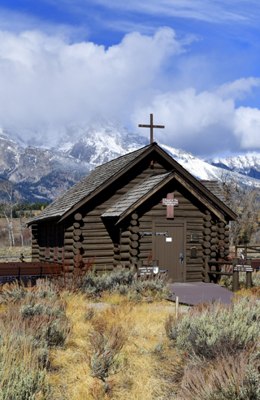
181 258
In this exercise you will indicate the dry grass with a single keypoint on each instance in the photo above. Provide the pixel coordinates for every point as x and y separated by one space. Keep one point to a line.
13 253
136 375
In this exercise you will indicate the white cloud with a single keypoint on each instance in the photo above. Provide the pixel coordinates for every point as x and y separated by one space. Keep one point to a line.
199 122
46 81
215 11
239 88
247 127
202 122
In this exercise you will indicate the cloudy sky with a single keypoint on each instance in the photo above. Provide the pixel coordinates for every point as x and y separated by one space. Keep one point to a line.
195 64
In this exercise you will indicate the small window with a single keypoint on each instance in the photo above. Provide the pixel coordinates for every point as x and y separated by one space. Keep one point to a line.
193 252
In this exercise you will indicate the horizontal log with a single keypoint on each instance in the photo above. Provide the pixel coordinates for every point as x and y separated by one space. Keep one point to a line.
97 254
194 261
134 216
145 246
206 245
146 239
143 254
134 229
207 224
93 246
68 242
207 231
124 248
76 225
125 234
97 240
100 260
98 224
78 245
70 249
214 228
77 232
68 235
90 233
68 260
125 255
125 241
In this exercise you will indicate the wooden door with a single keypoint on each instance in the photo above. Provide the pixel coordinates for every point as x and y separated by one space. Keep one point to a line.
169 249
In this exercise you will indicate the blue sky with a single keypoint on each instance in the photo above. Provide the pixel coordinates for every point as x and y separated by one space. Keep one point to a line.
194 63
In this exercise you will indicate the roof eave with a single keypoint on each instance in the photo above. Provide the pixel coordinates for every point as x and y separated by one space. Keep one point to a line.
108 182
144 198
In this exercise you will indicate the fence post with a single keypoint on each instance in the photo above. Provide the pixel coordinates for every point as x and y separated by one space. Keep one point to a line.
249 282
235 283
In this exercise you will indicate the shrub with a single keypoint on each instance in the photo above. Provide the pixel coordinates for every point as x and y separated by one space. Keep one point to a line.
12 293
46 289
93 284
21 377
123 282
22 383
106 343
217 329
31 310
229 377
55 333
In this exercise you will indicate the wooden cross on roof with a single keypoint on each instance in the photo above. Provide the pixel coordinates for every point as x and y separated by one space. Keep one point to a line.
151 126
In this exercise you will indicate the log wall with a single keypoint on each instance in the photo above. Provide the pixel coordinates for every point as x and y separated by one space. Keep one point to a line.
93 242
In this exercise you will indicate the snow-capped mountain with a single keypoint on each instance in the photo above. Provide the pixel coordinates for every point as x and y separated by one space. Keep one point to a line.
210 171
246 164
41 174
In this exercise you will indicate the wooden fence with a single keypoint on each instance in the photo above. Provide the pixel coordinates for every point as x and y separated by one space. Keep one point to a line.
20 270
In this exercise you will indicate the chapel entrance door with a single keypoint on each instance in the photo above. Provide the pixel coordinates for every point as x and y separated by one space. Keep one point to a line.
169 249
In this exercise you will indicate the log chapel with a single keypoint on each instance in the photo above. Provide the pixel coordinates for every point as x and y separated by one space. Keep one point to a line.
142 207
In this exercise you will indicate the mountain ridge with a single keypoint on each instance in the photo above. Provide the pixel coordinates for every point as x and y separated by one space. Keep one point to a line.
42 174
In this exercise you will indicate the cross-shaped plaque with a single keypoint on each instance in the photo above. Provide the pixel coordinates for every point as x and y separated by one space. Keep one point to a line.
151 126
170 202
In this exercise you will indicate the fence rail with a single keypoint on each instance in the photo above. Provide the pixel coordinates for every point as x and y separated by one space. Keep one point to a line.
19 270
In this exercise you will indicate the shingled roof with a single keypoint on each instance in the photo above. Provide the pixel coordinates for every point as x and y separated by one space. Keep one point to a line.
215 188
87 186
105 174
134 195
